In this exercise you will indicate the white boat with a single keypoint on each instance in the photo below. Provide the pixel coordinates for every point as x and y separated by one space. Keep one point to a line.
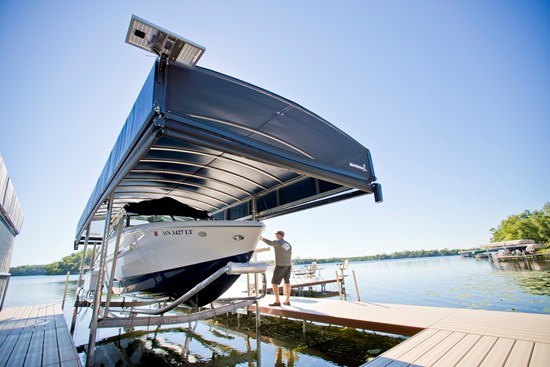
168 253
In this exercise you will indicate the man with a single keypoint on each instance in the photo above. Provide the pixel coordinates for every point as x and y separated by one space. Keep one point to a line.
283 253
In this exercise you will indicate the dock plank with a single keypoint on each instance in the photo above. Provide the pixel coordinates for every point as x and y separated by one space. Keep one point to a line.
396 352
499 353
513 325
67 350
17 357
5 316
458 351
478 352
36 335
17 326
401 355
520 354
50 355
540 355
413 354
36 345
440 350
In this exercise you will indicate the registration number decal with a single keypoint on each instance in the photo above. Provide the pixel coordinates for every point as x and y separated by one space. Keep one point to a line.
173 232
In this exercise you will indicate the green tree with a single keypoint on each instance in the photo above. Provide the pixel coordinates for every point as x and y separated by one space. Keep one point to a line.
27 270
70 263
527 225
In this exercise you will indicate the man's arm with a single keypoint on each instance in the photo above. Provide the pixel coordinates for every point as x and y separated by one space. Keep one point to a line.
266 241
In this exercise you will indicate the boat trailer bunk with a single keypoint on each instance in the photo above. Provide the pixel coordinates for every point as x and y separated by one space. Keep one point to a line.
223 146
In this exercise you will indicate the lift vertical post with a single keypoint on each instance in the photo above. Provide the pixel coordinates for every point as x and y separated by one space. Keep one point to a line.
99 286
83 262
113 268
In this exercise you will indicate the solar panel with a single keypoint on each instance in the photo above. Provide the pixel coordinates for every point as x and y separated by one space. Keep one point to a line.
163 43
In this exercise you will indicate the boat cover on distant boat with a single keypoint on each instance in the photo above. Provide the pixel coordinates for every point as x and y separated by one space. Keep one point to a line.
229 148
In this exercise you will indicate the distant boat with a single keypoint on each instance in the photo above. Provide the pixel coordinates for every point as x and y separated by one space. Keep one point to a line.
529 253
470 253
485 254
484 251
167 248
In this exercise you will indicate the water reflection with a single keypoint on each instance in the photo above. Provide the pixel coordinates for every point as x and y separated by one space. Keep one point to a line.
210 343
288 354
521 265
194 345
532 276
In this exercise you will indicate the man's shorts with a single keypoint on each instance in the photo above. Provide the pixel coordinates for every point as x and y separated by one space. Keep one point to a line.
280 273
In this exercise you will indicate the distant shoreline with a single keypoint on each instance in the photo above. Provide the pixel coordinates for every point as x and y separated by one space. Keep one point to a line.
32 270
392 256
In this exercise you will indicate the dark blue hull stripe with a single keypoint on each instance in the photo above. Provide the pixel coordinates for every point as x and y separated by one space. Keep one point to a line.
176 282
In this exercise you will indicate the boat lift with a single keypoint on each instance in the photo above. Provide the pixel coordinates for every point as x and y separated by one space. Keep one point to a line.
220 145
104 317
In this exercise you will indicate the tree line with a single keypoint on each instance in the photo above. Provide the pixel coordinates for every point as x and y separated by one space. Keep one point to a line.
70 263
394 255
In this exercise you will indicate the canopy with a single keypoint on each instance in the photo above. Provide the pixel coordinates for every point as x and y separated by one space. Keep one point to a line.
229 148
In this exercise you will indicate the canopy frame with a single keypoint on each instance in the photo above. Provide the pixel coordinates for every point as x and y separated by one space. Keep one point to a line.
225 146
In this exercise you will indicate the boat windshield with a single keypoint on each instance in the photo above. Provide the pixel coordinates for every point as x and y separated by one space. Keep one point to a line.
135 220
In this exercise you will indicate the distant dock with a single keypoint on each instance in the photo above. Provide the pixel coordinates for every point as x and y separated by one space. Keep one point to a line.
440 336
36 335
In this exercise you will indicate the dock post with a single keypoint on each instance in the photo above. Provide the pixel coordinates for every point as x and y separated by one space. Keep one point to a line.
75 313
343 284
258 321
258 334
339 285
65 291
356 288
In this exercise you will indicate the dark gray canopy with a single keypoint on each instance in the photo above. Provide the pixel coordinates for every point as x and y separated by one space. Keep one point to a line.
229 148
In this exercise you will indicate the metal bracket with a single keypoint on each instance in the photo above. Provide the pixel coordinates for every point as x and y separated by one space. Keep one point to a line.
161 69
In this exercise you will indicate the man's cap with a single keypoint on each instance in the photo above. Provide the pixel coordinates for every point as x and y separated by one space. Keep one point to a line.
282 233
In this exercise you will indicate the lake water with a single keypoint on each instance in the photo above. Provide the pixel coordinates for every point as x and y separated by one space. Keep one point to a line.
438 281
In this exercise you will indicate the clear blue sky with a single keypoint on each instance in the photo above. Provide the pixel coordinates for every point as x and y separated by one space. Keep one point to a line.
451 97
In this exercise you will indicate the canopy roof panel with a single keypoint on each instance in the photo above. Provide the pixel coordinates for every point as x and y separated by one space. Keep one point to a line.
229 148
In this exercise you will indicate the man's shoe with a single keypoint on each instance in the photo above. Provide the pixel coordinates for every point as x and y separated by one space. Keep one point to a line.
276 304
286 303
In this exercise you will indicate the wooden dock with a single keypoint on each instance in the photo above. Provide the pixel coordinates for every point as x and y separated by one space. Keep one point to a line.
307 285
440 336
36 335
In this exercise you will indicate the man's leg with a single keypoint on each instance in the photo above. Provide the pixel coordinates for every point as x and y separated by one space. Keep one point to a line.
287 292
276 292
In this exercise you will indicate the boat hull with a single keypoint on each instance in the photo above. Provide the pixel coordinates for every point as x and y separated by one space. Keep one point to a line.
174 283
169 259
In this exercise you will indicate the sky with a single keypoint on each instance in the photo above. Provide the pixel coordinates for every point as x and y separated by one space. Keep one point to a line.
452 98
